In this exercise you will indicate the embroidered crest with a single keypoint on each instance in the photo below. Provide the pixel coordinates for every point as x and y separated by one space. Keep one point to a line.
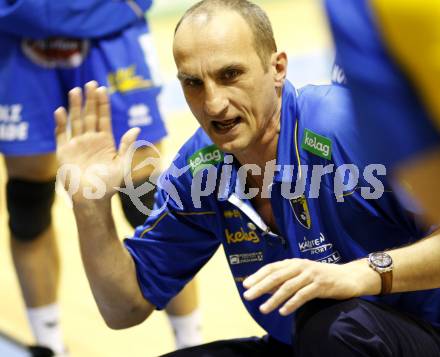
301 211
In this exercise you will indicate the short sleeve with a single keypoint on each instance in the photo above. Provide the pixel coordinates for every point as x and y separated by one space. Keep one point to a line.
171 247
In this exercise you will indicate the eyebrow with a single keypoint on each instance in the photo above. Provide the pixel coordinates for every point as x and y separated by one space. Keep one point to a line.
182 76
232 66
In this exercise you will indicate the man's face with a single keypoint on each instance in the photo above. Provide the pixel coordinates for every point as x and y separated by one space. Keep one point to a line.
225 85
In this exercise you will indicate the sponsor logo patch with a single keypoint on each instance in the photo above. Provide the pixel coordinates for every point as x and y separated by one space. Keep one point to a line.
245 258
317 144
315 248
139 115
241 236
126 80
331 259
232 213
12 128
210 155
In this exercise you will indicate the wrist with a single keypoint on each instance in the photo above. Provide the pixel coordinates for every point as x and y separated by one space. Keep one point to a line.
85 204
86 197
368 281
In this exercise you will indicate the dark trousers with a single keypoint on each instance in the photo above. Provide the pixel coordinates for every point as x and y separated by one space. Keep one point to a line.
350 328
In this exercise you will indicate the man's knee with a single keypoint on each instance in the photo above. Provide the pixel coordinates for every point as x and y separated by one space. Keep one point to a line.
344 328
29 205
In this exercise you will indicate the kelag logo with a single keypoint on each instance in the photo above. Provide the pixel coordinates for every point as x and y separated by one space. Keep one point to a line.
317 144
210 155
241 236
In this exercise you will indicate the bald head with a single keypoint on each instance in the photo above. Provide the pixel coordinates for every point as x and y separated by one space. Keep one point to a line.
257 20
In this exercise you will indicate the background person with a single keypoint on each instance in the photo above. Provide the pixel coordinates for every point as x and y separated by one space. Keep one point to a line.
388 51
47 49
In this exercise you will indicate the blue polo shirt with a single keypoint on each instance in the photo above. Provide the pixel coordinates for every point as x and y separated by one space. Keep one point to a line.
395 125
317 130
115 50
65 18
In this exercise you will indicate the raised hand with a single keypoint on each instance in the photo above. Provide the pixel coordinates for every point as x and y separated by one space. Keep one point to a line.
86 148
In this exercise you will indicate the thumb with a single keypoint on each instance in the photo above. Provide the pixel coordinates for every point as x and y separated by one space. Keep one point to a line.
127 140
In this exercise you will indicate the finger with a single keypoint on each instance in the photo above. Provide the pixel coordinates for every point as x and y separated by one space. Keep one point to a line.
283 293
75 102
104 114
262 273
61 125
127 140
270 282
91 107
304 295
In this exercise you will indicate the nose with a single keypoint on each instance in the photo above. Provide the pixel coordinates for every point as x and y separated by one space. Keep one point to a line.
215 101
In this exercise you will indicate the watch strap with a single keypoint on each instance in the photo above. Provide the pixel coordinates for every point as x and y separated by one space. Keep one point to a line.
387 282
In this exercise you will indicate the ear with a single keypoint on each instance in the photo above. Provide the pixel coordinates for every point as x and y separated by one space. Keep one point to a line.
279 68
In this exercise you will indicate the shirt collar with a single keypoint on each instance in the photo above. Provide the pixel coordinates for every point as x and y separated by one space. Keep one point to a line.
287 149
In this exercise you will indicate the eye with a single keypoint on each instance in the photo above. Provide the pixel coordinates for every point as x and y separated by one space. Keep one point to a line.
192 83
231 74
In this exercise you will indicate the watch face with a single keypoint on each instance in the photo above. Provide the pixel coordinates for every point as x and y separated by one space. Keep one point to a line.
381 260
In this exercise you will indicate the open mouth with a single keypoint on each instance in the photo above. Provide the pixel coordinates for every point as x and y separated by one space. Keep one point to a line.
225 125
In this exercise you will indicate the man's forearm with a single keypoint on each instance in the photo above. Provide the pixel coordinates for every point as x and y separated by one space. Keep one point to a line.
109 267
416 267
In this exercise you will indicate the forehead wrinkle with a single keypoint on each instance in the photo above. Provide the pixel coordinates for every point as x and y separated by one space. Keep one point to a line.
212 70
212 64
204 46
211 33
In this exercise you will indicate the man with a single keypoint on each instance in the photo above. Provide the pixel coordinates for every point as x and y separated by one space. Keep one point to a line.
47 48
389 51
224 188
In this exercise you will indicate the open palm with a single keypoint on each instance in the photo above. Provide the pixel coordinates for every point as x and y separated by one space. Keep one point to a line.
86 147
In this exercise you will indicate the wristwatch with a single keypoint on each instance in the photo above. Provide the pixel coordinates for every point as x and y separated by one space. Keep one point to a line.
383 264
